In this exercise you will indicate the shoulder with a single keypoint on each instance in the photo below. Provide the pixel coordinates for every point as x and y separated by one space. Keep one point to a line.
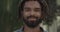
19 30
43 30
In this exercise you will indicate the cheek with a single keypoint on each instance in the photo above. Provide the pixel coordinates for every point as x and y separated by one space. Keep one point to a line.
38 14
25 14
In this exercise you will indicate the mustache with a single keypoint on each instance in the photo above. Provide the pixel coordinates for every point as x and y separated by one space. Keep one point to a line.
32 17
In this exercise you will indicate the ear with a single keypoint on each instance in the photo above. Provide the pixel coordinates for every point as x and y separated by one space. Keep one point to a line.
43 15
21 13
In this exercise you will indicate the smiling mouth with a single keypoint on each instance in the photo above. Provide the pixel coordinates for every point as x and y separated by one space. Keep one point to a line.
32 19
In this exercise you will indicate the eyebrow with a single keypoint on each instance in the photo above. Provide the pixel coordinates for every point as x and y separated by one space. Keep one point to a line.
26 8
29 8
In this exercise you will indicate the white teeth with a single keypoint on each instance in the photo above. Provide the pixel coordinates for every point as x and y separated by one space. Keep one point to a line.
32 19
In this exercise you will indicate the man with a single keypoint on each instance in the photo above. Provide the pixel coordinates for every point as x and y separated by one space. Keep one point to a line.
32 13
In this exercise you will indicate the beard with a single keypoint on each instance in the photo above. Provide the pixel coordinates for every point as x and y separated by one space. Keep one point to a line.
32 24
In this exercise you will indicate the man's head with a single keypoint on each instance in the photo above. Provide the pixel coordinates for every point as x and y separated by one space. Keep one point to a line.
31 12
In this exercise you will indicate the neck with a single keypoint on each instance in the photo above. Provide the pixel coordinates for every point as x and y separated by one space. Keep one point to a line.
28 29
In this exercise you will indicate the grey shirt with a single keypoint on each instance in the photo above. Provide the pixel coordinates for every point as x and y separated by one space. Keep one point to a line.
21 30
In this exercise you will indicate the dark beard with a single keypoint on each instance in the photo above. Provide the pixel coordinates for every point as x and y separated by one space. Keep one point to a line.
32 24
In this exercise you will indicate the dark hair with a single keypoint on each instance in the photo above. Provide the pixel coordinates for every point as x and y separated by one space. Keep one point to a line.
43 4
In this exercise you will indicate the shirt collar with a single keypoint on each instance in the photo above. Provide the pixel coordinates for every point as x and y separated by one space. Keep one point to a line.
22 29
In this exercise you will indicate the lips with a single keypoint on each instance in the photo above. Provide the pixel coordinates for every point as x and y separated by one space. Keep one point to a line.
32 19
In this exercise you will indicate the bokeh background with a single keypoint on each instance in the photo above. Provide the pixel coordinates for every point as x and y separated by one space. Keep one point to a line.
9 16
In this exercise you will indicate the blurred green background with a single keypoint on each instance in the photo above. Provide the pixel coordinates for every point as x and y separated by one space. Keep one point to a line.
9 15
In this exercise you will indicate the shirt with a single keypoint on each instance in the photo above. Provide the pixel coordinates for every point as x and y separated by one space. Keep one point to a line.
21 30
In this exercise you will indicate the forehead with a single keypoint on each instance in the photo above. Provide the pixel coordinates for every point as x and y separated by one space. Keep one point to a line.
32 4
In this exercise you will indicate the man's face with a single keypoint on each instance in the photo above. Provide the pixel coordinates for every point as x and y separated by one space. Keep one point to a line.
31 13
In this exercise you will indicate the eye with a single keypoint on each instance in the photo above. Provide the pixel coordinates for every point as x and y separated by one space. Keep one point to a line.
37 10
27 9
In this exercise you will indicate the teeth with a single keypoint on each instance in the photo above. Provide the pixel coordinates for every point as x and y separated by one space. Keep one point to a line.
32 19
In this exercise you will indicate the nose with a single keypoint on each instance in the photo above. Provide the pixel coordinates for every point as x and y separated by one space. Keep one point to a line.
32 12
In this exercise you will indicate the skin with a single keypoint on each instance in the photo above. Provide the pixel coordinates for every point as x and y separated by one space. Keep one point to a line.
31 8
